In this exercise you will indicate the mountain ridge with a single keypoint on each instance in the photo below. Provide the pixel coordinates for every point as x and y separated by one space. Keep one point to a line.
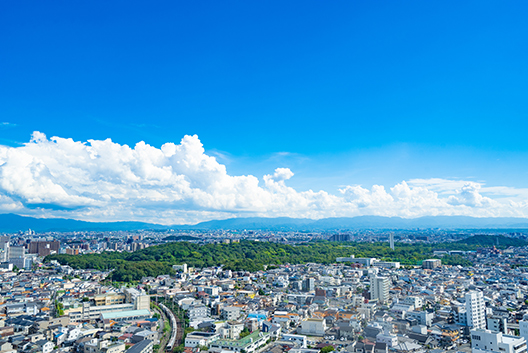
11 223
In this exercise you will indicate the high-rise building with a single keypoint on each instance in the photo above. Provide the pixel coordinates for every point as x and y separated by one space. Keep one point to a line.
44 248
4 248
391 240
475 310
308 285
16 252
379 289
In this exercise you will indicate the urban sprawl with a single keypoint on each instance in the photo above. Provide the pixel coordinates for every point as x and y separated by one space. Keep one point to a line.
351 304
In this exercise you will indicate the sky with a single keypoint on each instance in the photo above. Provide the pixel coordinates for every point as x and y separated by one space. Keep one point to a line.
180 112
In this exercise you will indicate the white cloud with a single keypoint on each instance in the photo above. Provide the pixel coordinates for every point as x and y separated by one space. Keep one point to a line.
180 183
438 185
469 195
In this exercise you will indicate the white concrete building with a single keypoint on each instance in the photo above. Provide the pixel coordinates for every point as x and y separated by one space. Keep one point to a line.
475 310
195 339
422 317
523 327
45 346
498 323
379 289
486 341
313 327
390 339
417 302
182 268
300 340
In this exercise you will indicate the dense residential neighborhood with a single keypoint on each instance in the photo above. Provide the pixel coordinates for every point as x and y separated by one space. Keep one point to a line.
355 304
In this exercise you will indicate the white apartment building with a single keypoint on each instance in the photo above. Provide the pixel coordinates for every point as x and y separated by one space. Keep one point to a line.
498 323
486 341
417 302
422 317
523 327
379 289
475 310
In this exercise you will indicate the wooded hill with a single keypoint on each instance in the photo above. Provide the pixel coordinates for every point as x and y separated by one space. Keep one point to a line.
250 256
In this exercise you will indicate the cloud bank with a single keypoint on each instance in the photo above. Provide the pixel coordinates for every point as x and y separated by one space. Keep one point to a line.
180 184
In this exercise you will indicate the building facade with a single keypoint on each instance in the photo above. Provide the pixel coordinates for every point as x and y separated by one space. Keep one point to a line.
487 341
379 289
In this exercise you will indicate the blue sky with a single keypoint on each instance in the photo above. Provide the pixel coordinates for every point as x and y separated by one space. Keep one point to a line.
342 93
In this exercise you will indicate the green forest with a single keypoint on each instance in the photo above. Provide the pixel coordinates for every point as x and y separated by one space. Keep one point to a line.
492 240
250 256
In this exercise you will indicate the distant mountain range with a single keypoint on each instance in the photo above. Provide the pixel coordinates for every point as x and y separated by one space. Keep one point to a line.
10 223
363 222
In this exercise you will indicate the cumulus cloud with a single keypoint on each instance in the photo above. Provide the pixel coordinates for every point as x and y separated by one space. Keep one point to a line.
469 195
101 180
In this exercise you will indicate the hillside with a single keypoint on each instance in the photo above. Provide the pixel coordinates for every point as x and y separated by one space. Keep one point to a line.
11 223
492 240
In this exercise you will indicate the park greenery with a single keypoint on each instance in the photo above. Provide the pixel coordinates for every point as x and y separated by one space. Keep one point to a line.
254 256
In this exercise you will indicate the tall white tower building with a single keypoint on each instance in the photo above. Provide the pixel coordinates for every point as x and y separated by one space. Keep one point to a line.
475 310
379 289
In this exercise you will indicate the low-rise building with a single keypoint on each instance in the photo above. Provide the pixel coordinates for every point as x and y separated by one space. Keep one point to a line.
487 341
195 339
313 327
248 344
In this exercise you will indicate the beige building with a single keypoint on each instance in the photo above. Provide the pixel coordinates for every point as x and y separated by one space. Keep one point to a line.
109 299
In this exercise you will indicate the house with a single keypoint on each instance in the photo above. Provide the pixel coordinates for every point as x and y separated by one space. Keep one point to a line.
144 335
45 346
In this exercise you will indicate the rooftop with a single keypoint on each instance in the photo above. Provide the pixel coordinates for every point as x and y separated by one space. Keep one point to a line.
242 342
123 314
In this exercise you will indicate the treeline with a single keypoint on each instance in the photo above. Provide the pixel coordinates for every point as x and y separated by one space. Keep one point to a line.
246 255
